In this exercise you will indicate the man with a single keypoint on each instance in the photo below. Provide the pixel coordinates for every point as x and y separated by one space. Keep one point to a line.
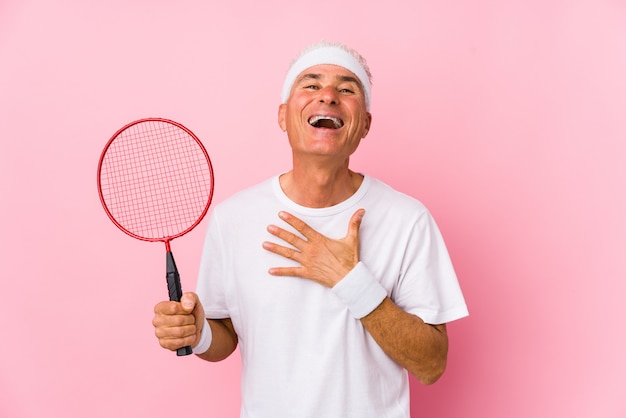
332 284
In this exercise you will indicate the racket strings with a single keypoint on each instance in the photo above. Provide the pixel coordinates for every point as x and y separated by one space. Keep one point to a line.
156 180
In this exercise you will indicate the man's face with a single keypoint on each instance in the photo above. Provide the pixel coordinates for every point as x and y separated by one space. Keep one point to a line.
325 114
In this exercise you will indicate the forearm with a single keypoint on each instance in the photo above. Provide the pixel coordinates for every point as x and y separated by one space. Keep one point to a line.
419 347
224 340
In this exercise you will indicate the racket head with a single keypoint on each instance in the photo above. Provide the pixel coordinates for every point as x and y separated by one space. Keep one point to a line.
155 179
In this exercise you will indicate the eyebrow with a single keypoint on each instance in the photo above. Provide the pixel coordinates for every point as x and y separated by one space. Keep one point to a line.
343 78
349 79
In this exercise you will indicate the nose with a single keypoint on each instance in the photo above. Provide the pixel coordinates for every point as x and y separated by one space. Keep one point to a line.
328 95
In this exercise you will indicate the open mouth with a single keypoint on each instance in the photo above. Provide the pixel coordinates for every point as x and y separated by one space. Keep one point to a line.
328 122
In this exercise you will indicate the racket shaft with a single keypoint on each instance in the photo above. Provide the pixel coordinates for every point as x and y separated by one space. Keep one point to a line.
175 290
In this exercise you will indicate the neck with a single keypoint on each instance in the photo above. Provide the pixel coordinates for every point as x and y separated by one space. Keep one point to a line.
320 187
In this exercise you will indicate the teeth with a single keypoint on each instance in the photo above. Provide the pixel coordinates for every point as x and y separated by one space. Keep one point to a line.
315 121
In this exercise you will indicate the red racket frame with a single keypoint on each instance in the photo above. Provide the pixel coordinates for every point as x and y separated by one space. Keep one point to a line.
166 239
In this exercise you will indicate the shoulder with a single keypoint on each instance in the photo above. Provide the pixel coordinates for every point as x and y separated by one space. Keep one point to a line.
385 197
252 203
246 196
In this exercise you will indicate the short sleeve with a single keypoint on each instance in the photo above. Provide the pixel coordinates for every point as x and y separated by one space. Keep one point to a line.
428 286
210 285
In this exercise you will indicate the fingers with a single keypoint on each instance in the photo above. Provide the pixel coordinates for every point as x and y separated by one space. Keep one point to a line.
320 258
286 271
289 253
308 232
178 324
296 242
299 225
286 236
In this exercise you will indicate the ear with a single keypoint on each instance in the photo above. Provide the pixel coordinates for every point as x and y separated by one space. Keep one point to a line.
368 123
282 110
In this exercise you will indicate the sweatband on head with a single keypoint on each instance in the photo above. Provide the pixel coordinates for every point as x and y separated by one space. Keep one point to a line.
327 55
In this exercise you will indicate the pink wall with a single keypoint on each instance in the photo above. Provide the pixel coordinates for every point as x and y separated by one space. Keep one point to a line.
505 118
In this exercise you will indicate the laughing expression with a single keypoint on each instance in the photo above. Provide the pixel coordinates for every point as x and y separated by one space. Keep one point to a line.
325 114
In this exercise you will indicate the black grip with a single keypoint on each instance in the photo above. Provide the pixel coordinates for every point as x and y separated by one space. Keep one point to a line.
175 290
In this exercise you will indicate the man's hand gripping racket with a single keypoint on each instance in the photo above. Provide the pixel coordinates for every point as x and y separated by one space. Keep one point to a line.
155 182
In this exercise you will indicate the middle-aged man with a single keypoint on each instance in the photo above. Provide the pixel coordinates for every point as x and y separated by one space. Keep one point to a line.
332 283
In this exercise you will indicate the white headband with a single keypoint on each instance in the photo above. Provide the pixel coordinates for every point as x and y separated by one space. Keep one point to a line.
327 55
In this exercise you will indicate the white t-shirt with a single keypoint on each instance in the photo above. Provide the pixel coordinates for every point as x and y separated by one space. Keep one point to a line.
303 352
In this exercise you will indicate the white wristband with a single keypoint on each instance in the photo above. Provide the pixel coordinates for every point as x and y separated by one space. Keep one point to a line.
206 336
360 291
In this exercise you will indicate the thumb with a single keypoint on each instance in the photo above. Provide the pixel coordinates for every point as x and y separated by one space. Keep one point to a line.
191 304
189 301
355 223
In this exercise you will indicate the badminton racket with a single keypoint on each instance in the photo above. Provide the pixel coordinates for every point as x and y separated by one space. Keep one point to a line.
155 182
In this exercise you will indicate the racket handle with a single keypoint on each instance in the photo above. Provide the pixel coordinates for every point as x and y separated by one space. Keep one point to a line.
175 290
184 351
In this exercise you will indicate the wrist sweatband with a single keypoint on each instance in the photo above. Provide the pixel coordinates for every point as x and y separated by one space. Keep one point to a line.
360 291
206 336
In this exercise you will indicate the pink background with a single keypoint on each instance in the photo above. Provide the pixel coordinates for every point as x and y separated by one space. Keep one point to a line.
506 118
